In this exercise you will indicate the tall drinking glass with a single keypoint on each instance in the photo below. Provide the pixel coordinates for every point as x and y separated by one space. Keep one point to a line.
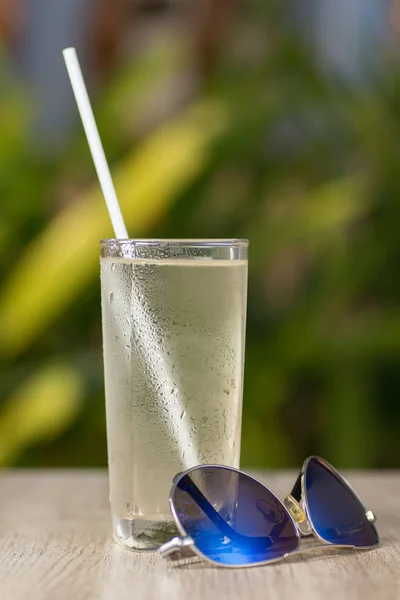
174 314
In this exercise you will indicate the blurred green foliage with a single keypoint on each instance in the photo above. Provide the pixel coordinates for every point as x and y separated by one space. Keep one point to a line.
307 169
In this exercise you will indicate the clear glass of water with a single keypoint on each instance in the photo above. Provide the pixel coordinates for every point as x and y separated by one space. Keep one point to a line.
174 316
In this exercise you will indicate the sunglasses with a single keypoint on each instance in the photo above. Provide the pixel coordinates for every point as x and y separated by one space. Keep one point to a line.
228 518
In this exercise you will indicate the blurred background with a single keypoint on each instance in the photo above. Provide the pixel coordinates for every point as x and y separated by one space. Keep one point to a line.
275 121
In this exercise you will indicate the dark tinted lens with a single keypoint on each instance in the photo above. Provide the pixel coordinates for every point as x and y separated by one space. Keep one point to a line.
232 518
336 513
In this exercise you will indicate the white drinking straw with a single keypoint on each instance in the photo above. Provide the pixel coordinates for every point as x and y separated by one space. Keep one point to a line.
188 453
93 138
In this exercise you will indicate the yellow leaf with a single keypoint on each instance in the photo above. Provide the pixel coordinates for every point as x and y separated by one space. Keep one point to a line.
63 259
335 205
39 409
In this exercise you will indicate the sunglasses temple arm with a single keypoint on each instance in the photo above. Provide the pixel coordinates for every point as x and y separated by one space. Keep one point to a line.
177 544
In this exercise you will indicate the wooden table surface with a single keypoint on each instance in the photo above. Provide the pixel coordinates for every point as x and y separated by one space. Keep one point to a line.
55 543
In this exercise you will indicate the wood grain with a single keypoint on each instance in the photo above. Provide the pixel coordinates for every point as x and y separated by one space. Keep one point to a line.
55 543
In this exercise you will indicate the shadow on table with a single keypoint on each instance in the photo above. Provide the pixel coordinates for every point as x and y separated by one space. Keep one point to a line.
304 555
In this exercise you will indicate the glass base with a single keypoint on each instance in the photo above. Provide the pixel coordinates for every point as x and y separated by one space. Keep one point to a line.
143 534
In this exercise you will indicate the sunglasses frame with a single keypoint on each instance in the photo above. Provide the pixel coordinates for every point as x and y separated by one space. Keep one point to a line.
295 507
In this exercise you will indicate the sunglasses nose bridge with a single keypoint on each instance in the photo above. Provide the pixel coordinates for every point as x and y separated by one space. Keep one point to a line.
298 514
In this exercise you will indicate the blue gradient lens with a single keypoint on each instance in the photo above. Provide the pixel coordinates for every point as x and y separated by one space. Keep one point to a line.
336 514
233 519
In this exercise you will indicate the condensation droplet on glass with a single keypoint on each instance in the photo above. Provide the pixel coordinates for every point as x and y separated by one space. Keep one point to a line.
111 297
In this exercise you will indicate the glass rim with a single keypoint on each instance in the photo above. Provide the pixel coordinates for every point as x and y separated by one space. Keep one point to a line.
175 242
